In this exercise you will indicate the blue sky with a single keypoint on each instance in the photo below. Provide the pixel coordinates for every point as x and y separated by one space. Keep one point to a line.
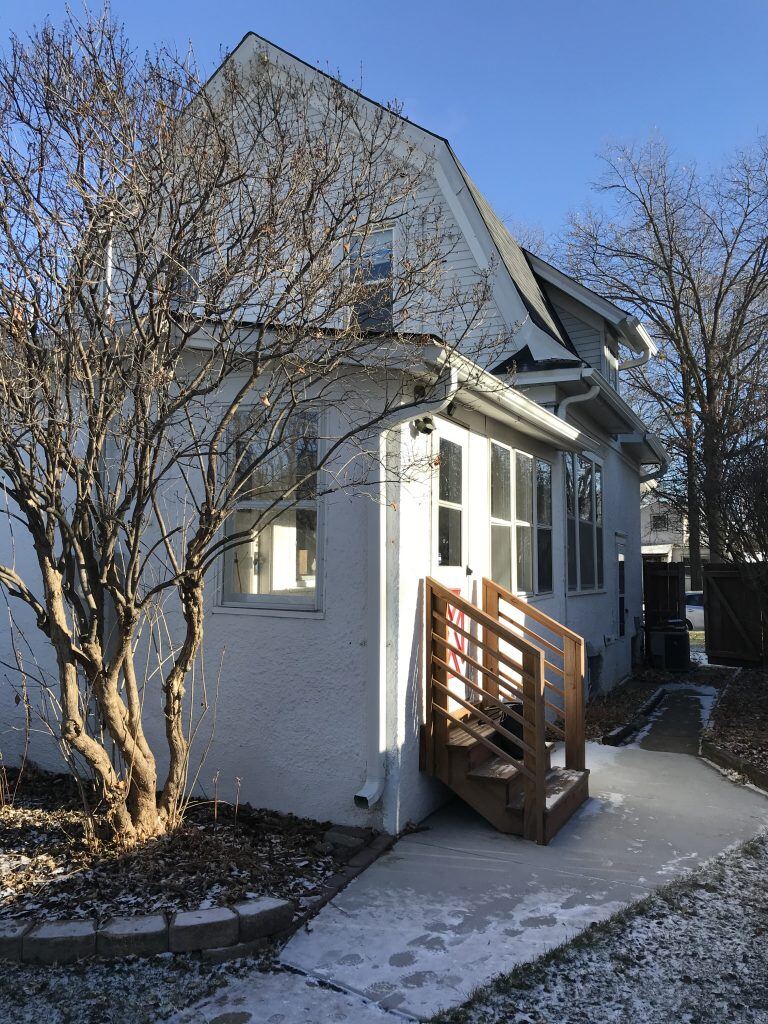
527 92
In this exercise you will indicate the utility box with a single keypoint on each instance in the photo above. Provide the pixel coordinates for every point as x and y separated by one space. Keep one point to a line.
669 648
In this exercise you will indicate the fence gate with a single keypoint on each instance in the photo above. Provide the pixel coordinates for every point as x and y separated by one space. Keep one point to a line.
733 621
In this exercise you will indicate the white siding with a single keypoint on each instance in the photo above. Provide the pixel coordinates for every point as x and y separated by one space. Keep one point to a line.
588 340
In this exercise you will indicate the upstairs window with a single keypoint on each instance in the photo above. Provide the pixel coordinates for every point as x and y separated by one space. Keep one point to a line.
277 565
371 262
660 522
584 518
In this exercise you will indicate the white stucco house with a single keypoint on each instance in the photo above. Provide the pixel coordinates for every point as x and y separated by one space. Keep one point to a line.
534 484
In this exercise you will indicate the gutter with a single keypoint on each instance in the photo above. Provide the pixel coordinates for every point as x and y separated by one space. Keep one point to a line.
372 789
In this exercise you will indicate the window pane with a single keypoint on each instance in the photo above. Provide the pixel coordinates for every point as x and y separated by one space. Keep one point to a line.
599 494
373 312
585 489
280 560
524 487
600 573
281 454
543 492
587 555
372 256
570 493
449 536
501 493
544 560
573 577
450 471
372 267
501 555
525 558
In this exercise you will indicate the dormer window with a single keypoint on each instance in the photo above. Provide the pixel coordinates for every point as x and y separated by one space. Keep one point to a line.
371 262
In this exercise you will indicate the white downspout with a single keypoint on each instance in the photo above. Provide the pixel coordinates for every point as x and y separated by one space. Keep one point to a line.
373 787
587 396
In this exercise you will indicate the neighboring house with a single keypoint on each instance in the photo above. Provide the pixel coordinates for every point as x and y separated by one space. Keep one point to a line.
664 534
534 484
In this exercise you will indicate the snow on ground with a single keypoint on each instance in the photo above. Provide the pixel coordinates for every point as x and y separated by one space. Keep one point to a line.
130 991
283 998
693 953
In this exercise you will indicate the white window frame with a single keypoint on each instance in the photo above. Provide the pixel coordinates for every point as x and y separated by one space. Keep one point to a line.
597 523
374 283
288 605
516 521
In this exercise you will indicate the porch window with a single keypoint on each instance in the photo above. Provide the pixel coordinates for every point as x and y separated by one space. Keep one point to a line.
275 564
371 262
501 515
584 517
526 528
450 503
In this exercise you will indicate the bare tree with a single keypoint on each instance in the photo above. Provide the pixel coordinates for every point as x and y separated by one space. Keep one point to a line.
187 275
689 255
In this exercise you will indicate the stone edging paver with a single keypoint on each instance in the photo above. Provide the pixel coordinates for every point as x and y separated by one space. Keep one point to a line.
217 933
732 762
620 733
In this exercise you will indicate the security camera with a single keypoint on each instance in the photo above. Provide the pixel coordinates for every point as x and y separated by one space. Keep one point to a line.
424 424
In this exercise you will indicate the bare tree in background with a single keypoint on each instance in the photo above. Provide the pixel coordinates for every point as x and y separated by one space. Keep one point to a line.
688 254
186 277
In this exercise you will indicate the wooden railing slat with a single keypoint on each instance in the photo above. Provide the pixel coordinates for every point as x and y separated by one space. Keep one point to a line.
488 720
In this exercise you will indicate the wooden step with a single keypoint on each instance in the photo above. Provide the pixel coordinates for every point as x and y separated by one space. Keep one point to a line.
566 791
495 768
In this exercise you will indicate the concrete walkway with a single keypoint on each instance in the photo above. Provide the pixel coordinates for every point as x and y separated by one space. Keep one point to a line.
454 905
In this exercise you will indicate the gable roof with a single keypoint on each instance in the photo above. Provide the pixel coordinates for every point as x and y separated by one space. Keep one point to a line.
512 257
516 262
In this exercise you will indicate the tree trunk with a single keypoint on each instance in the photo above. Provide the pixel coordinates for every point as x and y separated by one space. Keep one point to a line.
693 506
711 491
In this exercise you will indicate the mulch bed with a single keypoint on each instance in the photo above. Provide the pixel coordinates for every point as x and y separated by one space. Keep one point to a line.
610 710
50 868
739 723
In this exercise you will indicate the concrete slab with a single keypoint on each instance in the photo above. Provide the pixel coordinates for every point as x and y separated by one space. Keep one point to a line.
284 998
450 907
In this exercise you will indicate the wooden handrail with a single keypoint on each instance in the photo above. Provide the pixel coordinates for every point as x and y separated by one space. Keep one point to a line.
481 617
571 673
532 612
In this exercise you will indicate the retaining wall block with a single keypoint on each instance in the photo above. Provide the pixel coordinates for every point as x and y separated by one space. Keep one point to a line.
12 931
193 930
144 935
263 917
59 942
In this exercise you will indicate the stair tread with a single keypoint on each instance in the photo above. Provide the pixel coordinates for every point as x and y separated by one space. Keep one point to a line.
559 782
494 768
458 737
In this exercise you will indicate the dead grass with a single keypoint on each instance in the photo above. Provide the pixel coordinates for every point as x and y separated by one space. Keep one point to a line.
50 866
739 723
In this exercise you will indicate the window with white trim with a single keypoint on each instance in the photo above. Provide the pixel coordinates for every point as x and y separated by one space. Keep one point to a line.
371 263
584 522
275 564
526 528
450 503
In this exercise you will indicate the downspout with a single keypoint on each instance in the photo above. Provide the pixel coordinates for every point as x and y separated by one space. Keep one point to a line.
593 392
632 326
373 787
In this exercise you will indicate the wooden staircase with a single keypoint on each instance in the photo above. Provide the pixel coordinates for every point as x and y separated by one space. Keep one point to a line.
500 695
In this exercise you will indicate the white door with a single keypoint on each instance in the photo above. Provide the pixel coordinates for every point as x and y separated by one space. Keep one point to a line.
450 533
450 530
